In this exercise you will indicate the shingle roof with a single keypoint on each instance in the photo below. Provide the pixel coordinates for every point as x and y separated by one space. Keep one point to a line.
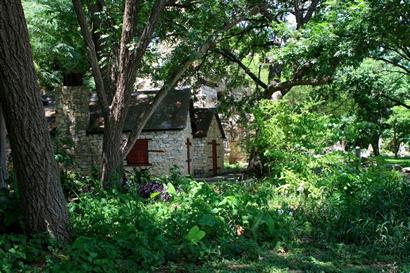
171 114
201 119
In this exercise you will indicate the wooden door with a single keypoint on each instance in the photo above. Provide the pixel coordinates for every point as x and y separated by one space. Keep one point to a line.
214 157
188 154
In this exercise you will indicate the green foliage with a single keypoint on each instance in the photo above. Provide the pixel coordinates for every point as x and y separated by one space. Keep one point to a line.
10 212
55 40
372 89
349 203
195 234
288 133
332 195
75 184
236 167
18 253
403 161
333 200
399 129
112 226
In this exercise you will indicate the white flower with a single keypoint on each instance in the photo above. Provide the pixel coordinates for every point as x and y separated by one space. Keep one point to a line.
301 188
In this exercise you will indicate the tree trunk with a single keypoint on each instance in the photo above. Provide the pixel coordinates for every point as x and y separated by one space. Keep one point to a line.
3 156
396 143
43 202
255 165
375 145
396 150
112 157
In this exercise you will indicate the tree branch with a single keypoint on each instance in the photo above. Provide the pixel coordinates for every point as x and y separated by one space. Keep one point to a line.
394 64
298 14
312 8
284 87
400 103
168 85
92 56
231 57
125 58
149 28
173 79
130 59
108 72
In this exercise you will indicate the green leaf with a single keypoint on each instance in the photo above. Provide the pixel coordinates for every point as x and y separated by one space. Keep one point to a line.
171 189
195 235
154 194
207 220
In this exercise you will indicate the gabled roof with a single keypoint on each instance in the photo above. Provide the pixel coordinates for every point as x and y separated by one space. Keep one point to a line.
201 119
171 114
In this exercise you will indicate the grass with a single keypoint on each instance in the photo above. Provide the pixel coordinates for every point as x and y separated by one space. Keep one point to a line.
402 161
304 257
237 167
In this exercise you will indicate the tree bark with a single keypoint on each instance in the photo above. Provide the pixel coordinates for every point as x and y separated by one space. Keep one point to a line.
112 166
43 202
3 156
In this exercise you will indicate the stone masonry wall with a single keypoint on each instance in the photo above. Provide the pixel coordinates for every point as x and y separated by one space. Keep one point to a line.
203 151
166 149
72 121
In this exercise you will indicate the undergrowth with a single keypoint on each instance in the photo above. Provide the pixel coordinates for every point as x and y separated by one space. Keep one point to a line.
334 201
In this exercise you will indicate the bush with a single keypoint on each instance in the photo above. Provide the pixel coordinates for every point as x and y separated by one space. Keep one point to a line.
114 231
334 196
75 184
340 200
19 253
332 199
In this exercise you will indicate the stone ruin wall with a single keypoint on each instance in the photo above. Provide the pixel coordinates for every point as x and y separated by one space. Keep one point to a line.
72 121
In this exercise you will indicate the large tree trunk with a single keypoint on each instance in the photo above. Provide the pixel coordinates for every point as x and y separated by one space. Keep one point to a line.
43 202
3 156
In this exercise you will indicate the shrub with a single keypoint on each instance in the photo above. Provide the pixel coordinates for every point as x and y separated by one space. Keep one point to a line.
347 202
333 199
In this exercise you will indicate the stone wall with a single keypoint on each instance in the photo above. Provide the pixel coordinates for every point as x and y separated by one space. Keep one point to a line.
72 121
235 140
207 97
203 164
167 149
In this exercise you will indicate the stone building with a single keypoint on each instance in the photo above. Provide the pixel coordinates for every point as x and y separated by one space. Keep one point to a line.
176 134
208 142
